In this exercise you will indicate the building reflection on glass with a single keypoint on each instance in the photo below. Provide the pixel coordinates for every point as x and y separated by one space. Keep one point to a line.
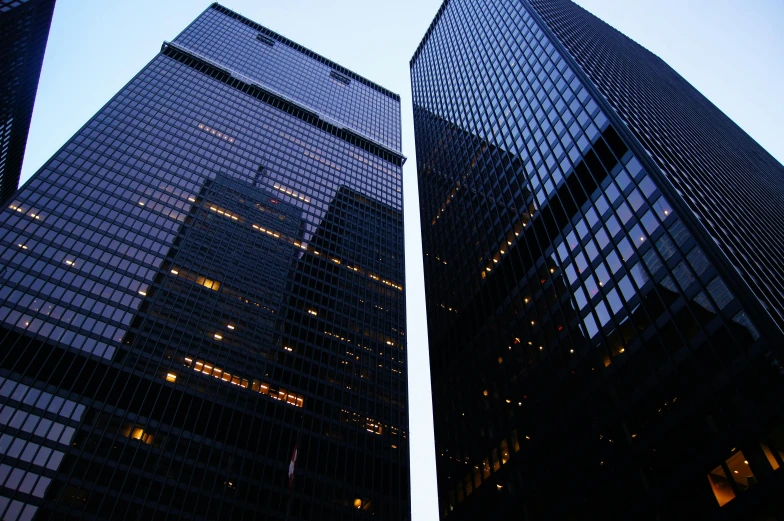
205 281
587 355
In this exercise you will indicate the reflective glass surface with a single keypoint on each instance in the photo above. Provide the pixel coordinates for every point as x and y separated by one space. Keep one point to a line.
202 303
24 29
582 343
724 177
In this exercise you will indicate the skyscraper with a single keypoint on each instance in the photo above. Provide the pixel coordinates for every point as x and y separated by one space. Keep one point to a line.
603 288
202 308
24 29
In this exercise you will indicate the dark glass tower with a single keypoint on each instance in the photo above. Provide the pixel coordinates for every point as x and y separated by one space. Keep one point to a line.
602 274
24 29
205 283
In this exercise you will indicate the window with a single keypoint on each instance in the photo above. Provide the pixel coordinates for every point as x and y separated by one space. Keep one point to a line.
496 463
737 473
721 486
504 452
340 78
265 39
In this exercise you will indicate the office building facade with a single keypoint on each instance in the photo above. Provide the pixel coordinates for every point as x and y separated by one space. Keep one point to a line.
24 29
202 308
605 336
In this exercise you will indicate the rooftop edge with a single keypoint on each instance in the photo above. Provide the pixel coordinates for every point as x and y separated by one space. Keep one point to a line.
427 33
294 45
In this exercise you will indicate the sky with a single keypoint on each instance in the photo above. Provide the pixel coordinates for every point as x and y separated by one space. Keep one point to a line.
730 50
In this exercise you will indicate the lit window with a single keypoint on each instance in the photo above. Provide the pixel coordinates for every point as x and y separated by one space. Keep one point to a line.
136 432
769 455
233 379
224 213
216 133
271 233
292 193
171 377
208 283
722 488
740 471
515 443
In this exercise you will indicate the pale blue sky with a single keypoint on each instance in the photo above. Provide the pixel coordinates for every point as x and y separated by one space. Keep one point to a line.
731 50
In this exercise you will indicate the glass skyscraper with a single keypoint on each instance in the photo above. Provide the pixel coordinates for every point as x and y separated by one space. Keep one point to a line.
202 303
602 270
24 29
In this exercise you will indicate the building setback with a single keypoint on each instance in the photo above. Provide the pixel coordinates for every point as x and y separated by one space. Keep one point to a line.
603 287
202 309
24 29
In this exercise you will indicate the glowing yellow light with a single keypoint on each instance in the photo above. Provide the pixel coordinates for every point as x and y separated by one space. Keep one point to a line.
230 326
313 312
217 336
175 272
171 377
